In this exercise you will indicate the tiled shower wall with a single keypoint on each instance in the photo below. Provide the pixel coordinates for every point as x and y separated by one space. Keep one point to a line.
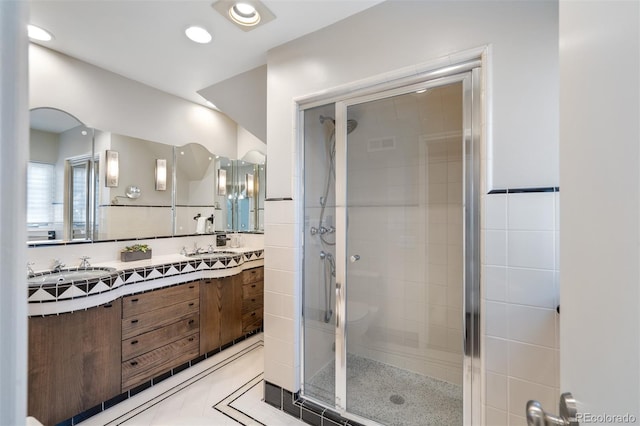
520 284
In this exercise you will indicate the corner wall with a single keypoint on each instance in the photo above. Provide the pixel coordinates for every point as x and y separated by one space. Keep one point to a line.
522 131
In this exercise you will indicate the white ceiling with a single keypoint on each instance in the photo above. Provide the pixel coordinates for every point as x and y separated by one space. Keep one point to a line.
144 39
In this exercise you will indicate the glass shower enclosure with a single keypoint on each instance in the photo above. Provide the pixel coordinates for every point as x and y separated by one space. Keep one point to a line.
390 265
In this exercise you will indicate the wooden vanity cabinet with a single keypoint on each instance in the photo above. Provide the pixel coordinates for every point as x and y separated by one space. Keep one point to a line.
160 330
252 299
220 312
74 361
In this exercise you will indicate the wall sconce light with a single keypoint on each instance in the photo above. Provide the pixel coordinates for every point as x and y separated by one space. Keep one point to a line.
161 174
112 171
249 184
222 182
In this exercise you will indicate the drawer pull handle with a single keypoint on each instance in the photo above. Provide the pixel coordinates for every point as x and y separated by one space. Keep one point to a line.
134 321
134 363
253 300
191 286
134 342
134 300
191 321
191 304
191 339
108 306
253 314
253 286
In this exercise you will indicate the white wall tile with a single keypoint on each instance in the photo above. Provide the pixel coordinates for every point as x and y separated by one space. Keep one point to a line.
495 248
531 325
496 355
282 258
495 211
496 319
531 211
495 282
534 287
533 363
280 235
279 281
496 391
496 417
531 249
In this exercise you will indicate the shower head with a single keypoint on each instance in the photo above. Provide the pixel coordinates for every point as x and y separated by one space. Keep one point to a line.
351 124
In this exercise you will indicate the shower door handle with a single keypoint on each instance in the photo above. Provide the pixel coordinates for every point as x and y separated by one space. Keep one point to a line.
338 300
354 258
536 416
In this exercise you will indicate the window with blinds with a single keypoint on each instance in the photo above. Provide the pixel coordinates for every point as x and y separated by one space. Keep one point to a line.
40 193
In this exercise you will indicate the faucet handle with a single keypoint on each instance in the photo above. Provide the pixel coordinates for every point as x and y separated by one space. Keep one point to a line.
29 268
84 263
183 251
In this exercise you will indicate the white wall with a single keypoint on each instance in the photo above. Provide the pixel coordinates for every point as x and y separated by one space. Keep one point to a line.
14 154
599 158
521 129
110 102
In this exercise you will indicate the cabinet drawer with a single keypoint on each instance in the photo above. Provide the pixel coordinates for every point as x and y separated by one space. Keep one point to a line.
251 290
252 303
252 320
252 275
143 367
146 342
139 303
158 318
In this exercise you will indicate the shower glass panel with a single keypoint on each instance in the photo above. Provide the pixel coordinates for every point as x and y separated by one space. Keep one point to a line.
319 255
404 249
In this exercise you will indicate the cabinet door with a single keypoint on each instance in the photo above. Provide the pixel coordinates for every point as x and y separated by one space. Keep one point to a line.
231 302
220 312
209 315
74 361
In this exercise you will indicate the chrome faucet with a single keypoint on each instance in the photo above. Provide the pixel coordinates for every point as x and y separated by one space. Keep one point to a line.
29 268
196 249
84 262
57 265
210 248
183 251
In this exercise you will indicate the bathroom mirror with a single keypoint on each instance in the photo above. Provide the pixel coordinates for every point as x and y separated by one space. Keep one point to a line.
60 177
198 206
92 185
250 184
135 207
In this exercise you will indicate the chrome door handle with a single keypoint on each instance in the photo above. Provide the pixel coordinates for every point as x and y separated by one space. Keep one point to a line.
536 416
354 258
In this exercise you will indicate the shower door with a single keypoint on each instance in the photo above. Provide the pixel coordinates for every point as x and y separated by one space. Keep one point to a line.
390 254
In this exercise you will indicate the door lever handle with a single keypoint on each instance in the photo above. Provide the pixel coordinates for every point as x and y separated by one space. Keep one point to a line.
354 258
536 416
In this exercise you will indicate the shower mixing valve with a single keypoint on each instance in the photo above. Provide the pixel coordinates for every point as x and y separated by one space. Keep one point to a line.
322 230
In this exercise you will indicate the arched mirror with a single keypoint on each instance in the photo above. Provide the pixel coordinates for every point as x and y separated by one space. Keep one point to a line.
60 177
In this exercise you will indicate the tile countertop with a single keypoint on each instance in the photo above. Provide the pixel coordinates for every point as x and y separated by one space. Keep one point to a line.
137 276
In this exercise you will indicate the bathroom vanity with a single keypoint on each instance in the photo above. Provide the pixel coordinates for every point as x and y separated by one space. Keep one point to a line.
94 342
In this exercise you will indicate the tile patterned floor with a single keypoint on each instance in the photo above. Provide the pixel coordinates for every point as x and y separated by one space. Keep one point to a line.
225 389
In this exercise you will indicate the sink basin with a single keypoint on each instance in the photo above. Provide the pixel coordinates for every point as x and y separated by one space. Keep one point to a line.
68 275
211 255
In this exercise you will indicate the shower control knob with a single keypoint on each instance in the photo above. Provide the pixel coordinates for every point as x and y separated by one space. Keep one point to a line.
354 258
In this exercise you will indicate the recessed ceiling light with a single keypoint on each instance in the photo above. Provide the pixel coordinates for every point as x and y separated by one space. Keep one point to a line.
244 14
37 33
198 34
